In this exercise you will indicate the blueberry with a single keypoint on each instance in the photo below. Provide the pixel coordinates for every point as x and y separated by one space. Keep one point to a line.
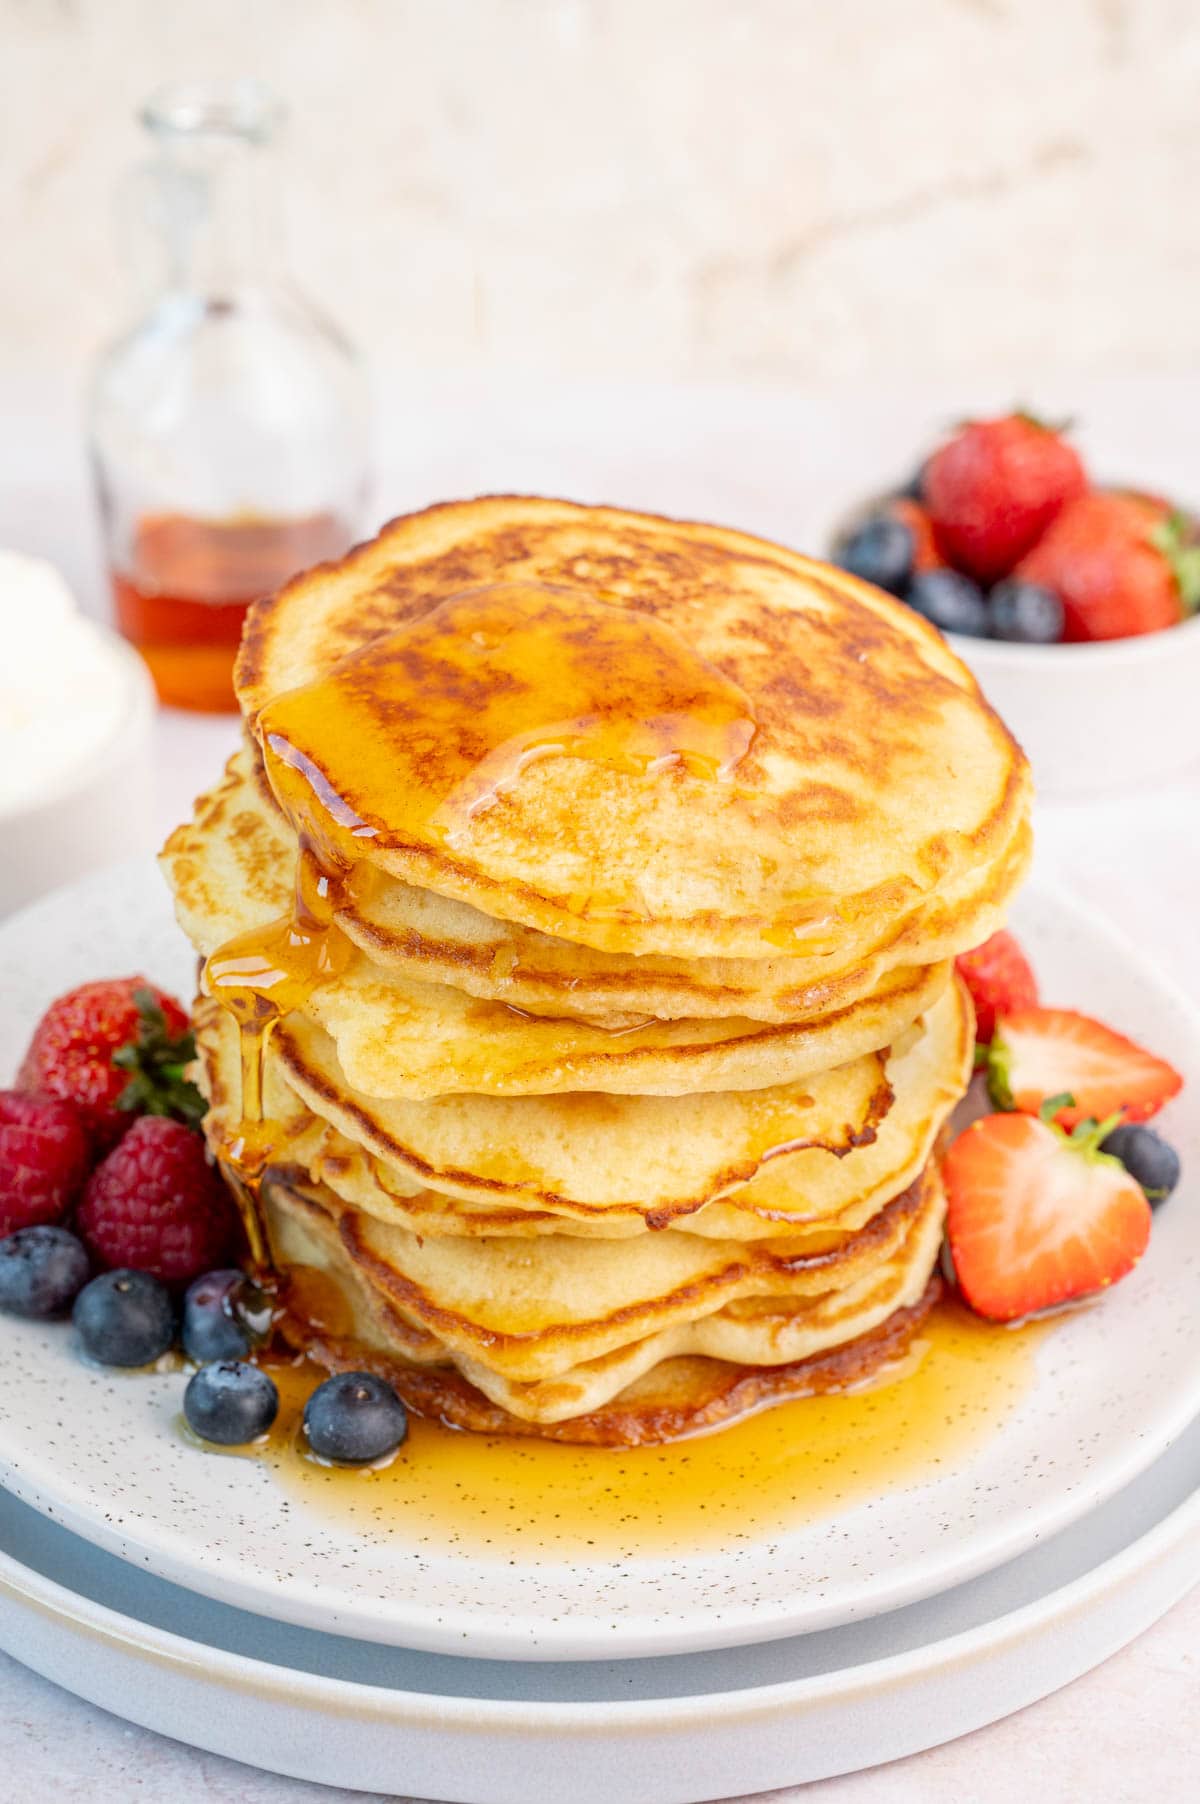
354 1418
880 551
1147 1158
42 1270
213 1326
949 601
230 1403
124 1318
1025 613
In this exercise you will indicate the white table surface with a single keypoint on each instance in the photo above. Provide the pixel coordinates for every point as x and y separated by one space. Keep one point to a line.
777 463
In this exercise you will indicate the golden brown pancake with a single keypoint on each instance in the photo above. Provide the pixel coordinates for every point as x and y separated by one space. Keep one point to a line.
835 1180
889 1270
580 1152
674 1399
398 1036
754 752
238 853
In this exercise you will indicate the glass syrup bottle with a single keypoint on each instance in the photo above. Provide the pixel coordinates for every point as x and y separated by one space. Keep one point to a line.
229 426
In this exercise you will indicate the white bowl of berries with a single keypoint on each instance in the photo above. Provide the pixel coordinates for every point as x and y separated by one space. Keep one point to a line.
1074 605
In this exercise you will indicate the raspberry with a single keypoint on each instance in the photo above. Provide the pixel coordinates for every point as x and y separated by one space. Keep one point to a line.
157 1205
43 1159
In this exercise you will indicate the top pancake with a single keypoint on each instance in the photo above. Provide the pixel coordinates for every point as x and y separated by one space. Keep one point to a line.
238 853
721 748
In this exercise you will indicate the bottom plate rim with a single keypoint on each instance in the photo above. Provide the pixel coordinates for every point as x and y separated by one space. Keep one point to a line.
26 1587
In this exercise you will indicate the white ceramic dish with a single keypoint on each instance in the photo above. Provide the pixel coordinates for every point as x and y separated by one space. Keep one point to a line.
668 1731
101 1451
97 813
1101 718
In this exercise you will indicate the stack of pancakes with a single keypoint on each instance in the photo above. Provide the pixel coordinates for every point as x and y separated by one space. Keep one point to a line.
615 1114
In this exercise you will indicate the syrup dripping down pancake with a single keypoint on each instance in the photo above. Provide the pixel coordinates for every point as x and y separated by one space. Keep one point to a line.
540 1164
753 752
579 922
579 1152
237 855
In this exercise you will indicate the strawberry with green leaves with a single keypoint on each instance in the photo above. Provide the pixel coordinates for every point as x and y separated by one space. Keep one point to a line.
1121 564
1038 1217
116 1049
994 488
1090 1070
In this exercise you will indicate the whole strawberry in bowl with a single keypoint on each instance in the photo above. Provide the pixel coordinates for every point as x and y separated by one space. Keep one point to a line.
1121 565
1073 604
995 487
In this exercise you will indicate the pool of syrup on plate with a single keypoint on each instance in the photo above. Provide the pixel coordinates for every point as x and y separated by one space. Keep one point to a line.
796 1462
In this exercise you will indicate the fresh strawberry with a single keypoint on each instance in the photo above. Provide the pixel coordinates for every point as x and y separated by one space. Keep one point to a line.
1044 1053
1036 1218
993 489
116 1049
910 513
1121 565
156 1204
1000 979
43 1159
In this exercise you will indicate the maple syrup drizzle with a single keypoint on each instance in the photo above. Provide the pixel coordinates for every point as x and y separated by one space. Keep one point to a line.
791 1464
259 976
407 740
418 732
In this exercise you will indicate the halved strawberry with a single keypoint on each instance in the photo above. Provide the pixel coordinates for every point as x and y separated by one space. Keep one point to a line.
1000 979
1039 1053
1037 1218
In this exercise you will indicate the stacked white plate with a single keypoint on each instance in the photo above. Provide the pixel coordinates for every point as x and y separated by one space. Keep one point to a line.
184 1591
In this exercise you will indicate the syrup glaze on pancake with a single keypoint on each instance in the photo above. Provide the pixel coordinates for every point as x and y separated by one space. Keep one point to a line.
416 930
396 1036
235 859
582 1151
610 739
612 1150
861 771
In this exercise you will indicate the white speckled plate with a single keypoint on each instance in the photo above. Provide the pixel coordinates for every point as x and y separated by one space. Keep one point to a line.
662 1731
1115 1384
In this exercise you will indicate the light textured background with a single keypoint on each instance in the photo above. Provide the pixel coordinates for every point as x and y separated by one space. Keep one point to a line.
797 189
